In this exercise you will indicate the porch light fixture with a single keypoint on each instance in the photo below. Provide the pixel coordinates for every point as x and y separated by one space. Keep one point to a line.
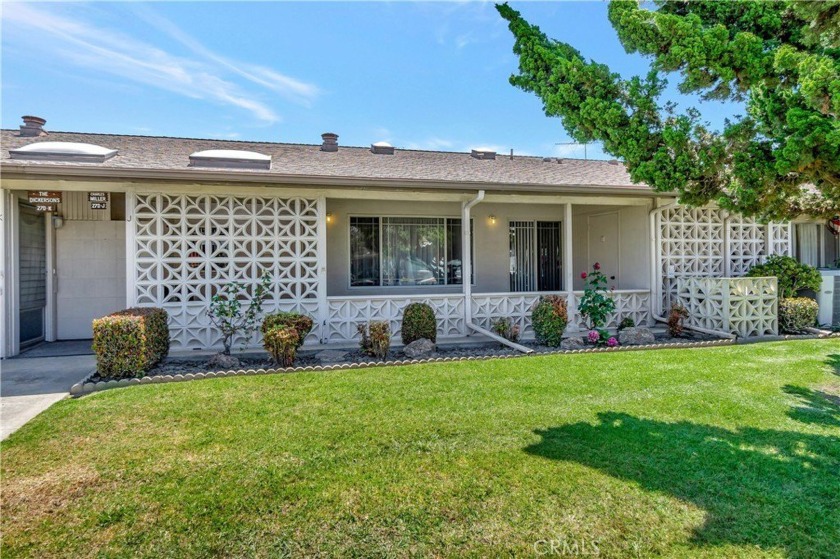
329 217
493 219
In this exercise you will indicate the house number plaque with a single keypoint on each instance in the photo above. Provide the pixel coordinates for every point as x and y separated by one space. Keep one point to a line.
44 200
98 200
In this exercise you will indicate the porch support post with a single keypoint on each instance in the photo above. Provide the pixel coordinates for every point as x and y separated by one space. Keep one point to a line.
568 268
130 251
466 258
323 305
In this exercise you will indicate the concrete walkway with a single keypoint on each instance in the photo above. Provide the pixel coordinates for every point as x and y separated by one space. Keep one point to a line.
29 385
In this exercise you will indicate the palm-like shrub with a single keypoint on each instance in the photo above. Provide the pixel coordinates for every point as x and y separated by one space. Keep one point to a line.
300 322
281 342
375 338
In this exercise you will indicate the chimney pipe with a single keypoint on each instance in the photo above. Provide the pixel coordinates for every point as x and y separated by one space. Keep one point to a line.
32 126
330 141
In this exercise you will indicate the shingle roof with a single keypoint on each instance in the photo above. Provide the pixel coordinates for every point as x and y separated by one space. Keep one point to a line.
164 153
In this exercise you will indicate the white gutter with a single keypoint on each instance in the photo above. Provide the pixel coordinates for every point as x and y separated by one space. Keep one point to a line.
466 276
466 254
656 280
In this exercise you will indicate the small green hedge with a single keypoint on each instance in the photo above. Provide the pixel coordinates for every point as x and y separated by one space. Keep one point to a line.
418 322
549 318
128 343
797 313
300 322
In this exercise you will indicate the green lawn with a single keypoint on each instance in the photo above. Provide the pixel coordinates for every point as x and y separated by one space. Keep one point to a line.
717 452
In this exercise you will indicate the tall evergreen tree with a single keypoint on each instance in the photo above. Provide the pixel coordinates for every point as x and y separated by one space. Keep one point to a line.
779 160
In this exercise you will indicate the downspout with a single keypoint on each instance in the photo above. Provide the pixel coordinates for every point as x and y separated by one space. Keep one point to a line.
655 270
466 276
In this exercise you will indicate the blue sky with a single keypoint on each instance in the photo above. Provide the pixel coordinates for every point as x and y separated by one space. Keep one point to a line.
418 75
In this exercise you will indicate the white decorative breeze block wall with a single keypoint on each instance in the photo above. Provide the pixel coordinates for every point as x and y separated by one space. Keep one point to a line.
707 242
186 246
746 307
345 313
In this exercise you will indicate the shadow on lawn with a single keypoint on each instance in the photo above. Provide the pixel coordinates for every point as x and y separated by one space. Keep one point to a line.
766 488
815 406
834 361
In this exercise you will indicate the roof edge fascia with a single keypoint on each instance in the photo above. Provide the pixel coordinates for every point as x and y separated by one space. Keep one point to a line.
192 175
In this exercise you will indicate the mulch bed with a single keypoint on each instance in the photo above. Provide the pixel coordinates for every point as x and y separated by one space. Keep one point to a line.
306 358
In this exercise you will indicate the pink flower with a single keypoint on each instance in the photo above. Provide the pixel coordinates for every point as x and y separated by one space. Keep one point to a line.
583 275
597 266
612 342
594 336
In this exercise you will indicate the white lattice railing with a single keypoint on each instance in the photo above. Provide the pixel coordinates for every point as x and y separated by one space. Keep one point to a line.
746 307
345 313
489 307
630 303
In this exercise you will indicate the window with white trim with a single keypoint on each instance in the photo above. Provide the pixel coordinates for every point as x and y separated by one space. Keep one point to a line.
405 251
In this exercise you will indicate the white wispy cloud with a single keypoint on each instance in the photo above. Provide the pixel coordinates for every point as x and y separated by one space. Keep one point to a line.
205 76
431 144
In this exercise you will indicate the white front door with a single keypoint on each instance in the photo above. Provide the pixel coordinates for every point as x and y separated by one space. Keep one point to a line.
603 246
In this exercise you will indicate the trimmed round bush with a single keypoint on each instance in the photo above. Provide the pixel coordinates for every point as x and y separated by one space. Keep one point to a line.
418 322
791 275
549 318
300 322
281 342
797 313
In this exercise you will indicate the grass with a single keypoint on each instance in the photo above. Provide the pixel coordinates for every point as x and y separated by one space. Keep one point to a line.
716 452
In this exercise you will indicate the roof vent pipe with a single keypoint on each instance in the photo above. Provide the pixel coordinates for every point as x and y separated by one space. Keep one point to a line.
32 126
382 148
330 141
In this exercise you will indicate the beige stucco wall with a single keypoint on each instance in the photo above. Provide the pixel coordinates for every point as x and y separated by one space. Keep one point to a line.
492 262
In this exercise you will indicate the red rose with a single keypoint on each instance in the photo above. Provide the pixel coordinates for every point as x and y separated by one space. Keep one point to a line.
583 275
597 266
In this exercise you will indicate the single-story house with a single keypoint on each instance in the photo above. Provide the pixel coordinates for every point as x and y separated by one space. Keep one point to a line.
93 223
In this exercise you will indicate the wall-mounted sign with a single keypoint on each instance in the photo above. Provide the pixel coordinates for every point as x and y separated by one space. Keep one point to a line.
44 200
98 200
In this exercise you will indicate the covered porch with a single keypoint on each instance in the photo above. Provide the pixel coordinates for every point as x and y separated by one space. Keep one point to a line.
383 255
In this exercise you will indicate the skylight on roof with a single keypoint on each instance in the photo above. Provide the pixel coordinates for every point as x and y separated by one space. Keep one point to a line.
230 158
63 151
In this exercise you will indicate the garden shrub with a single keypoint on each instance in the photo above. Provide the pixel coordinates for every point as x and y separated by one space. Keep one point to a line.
231 317
130 342
300 322
549 318
791 275
676 320
626 322
281 342
797 313
595 305
506 328
418 322
375 338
